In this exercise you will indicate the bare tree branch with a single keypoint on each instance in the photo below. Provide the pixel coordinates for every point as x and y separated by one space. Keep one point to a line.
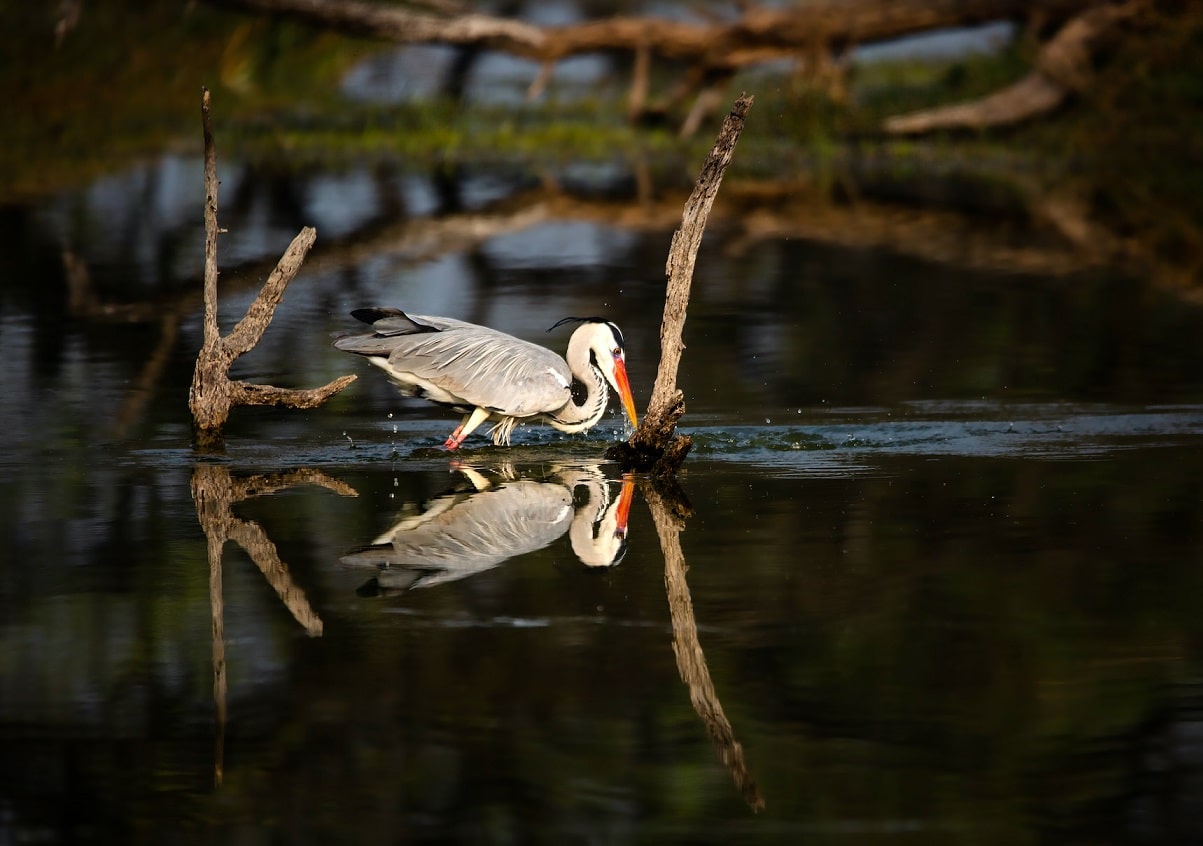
213 394
760 34
247 332
404 26
1062 69
654 446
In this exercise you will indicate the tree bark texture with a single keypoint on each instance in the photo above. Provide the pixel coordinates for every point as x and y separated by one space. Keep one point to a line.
654 446
213 394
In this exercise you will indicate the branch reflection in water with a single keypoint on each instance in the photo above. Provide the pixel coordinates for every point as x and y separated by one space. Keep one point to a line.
670 508
214 492
494 515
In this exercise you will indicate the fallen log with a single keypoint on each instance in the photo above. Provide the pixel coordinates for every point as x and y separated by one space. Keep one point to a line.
1062 69
759 34
711 50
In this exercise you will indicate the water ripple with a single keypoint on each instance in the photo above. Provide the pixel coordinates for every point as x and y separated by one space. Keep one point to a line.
1050 432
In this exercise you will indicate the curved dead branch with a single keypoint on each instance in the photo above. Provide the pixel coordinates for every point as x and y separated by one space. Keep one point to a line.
759 34
1062 69
405 26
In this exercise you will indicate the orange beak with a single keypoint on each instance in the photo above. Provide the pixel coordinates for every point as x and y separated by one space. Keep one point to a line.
625 498
624 391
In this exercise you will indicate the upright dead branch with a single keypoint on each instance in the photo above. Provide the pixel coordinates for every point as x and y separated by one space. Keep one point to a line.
654 446
213 393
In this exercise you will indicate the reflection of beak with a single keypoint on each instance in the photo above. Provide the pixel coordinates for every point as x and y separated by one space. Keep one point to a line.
624 391
623 511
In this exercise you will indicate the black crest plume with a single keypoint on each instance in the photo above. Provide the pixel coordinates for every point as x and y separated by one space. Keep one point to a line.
617 332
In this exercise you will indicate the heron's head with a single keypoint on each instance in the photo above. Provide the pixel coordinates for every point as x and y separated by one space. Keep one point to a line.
606 348
602 541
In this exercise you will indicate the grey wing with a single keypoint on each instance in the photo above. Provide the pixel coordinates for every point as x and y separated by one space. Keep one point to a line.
495 371
476 533
390 328
476 365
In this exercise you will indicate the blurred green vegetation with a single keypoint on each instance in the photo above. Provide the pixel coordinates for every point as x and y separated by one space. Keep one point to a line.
125 83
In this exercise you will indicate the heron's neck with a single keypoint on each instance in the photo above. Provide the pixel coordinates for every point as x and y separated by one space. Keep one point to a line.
576 416
582 532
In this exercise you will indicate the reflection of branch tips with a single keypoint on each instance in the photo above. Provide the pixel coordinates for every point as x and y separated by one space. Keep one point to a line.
668 513
214 492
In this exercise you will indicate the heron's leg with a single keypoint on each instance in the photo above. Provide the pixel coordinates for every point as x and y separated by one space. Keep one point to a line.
478 416
453 439
478 479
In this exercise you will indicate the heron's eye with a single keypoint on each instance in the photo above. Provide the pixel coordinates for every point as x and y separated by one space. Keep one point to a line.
617 352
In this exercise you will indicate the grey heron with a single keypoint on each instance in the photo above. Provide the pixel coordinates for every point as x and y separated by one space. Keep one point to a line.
487 522
489 375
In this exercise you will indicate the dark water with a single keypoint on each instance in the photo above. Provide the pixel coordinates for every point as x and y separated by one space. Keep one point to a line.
940 582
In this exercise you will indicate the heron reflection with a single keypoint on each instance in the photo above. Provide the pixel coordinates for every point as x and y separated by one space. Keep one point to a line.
492 516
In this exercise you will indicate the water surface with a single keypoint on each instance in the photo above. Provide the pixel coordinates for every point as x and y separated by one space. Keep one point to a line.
937 584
